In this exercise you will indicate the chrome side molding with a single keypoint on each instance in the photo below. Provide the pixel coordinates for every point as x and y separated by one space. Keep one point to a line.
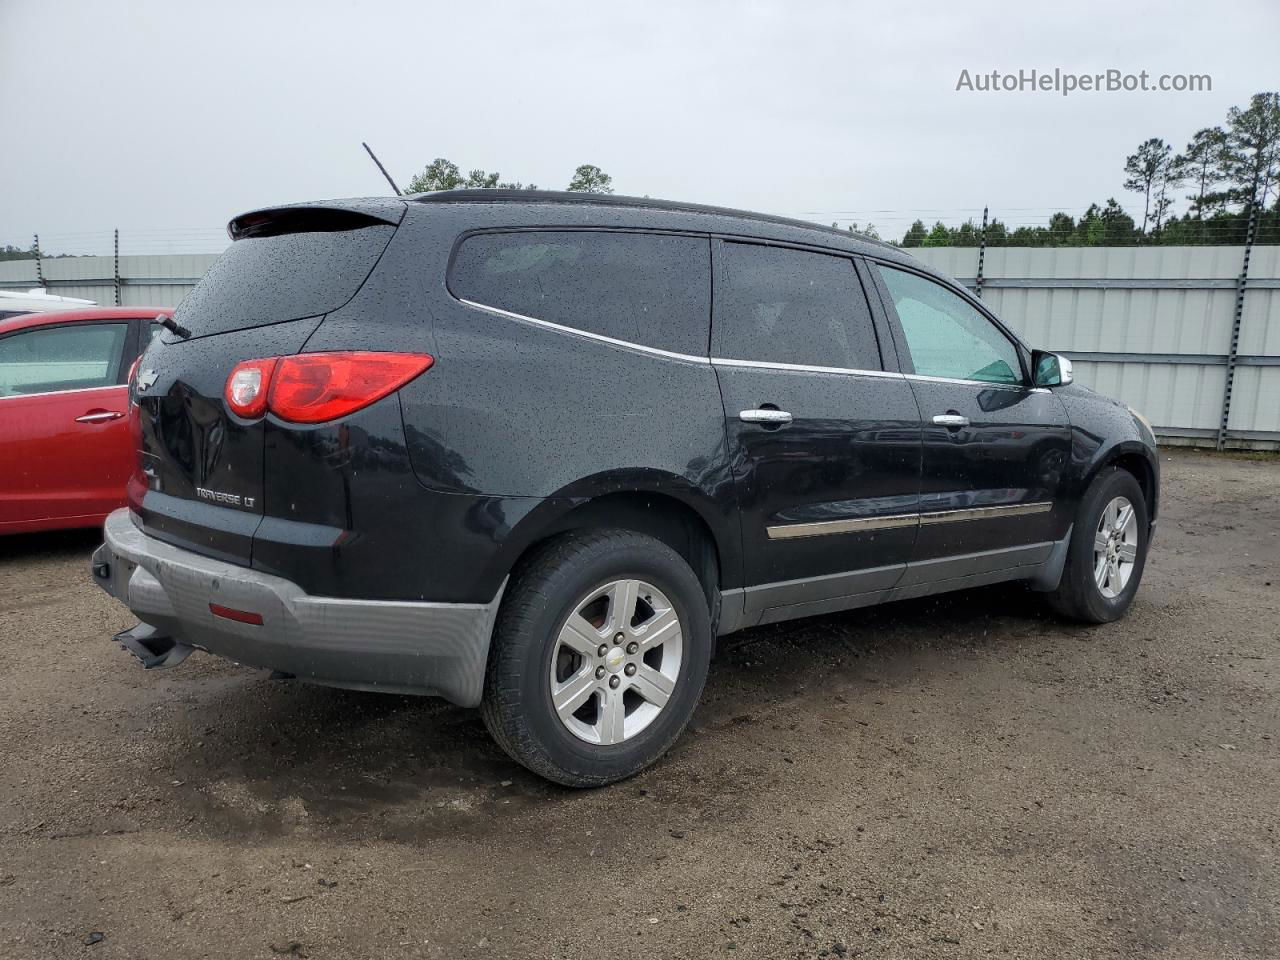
987 513
787 531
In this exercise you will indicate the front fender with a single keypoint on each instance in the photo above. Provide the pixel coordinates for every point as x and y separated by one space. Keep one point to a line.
1104 432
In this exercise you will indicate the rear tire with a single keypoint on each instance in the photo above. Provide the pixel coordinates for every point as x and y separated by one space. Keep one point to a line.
1107 553
612 627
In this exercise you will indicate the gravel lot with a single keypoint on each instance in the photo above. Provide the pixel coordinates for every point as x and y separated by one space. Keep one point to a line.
952 777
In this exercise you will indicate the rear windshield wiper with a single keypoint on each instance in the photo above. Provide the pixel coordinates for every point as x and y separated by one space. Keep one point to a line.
172 326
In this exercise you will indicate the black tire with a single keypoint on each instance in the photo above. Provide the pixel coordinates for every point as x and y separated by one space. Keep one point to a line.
1078 595
517 705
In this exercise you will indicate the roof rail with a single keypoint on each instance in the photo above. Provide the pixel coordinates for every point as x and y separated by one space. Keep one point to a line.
500 195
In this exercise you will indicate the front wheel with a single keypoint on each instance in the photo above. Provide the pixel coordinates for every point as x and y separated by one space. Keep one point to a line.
1107 553
599 656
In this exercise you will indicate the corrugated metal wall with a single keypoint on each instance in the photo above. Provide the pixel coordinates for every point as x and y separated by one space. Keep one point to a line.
1149 325
153 281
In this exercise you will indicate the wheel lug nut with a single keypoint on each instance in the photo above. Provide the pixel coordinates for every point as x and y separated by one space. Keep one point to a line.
602 650
619 638
633 647
599 672
631 669
613 682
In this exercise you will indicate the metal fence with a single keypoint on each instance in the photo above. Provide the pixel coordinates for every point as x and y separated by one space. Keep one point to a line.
160 280
1169 330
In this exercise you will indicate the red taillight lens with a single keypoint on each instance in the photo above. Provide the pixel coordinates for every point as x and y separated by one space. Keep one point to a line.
248 386
315 387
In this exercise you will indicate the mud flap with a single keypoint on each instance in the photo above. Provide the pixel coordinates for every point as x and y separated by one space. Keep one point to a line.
1049 575
153 650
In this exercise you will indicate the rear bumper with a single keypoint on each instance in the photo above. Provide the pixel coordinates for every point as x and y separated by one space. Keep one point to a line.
392 646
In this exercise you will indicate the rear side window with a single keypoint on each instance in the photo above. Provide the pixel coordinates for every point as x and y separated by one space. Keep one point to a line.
263 280
44 360
650 289
779 305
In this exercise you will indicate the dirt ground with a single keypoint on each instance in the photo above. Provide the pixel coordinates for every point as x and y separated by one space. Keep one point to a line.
952 777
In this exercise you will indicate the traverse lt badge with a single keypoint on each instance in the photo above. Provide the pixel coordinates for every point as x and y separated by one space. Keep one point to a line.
230 499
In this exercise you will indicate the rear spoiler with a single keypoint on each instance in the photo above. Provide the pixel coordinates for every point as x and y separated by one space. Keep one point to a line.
324 216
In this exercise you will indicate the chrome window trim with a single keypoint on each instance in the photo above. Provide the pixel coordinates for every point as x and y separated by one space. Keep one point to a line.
982 383
788 531
56 393
803 368
671 354
586 334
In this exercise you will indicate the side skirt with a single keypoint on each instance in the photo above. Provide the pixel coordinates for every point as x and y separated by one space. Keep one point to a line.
1041 563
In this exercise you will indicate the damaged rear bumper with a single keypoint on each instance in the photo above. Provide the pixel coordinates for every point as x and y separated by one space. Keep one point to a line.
393 646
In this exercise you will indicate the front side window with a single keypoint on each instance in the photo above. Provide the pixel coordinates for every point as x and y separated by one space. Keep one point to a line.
650 289
946 335
778 305
48 359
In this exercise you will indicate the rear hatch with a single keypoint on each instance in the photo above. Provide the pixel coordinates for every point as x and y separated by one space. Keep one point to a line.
200 469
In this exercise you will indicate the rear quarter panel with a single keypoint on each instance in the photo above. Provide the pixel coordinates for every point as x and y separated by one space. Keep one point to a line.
513 426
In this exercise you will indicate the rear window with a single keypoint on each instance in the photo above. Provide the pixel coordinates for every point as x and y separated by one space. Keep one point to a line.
778 305
263 280
650 289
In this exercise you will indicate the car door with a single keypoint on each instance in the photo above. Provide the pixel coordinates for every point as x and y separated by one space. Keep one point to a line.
995 448
66 453
824 441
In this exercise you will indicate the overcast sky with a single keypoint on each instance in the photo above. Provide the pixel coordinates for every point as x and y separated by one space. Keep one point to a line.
165 117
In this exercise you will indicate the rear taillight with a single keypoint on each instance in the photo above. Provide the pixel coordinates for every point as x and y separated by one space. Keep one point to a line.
247 387
316 387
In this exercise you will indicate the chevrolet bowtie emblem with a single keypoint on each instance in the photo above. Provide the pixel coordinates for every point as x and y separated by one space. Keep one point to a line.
146 378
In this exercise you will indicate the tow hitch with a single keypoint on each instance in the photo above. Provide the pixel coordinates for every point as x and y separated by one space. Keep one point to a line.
152 649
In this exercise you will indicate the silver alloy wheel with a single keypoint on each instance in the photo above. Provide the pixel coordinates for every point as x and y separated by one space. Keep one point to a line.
1115 547
616 661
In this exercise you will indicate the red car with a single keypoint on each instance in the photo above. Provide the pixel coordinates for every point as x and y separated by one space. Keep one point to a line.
65 448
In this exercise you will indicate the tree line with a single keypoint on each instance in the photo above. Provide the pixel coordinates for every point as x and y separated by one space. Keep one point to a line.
1229 168
442 174
10 252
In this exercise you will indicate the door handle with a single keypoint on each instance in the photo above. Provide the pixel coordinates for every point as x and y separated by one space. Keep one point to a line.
99 416
765 415
952 421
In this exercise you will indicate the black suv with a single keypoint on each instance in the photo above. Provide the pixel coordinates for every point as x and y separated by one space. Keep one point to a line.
534 451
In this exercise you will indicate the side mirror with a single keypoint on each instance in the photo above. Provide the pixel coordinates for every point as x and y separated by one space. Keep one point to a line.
1051 369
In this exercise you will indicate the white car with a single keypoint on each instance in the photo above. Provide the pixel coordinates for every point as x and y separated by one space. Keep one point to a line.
16 302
